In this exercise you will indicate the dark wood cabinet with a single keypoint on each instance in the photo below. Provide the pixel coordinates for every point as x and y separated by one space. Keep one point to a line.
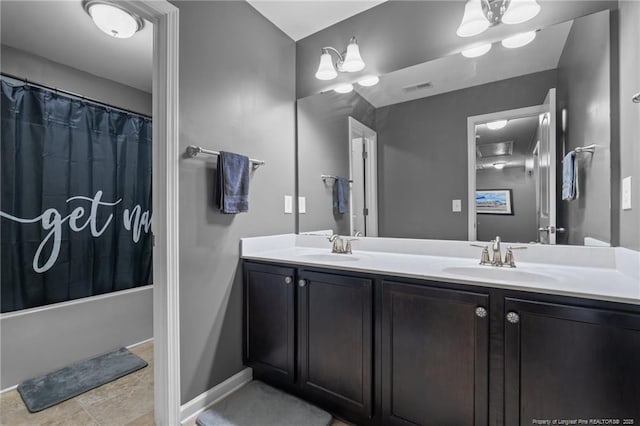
570 362
269 299
336 346
434 356
380 350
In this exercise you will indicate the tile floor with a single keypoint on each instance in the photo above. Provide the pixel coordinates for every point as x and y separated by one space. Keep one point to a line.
126 401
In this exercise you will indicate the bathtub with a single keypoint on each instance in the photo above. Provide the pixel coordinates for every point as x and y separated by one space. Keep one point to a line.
39 340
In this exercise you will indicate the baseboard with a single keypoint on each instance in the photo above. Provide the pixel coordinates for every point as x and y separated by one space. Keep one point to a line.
192 409
139 343
10 388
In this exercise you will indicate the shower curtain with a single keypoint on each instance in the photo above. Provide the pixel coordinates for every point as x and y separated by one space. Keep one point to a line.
76 198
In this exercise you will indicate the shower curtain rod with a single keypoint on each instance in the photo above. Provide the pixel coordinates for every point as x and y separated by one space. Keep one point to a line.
74 95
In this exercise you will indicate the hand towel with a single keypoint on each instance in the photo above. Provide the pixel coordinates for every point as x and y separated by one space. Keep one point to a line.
570 177
341 195
232 189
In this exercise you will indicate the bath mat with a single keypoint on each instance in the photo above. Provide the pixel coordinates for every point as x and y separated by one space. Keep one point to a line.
256 404
53 388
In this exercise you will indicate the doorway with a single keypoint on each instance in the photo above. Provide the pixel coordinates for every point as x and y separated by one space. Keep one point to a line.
363 174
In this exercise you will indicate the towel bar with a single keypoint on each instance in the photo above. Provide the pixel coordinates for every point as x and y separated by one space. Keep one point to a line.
193 151
325 177
590 148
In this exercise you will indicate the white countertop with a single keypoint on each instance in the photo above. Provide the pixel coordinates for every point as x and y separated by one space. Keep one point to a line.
611 274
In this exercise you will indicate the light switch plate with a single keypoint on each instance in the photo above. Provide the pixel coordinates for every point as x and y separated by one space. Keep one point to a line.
626 193
456 206
302 205
288 204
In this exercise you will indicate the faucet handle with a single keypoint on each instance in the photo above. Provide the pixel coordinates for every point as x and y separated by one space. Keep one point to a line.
484 257
509 259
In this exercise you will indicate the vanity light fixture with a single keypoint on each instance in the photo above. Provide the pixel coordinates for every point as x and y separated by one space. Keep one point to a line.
497 125
369 81
482 14
112 19
499 165
476 51
350 62
343 88
519 40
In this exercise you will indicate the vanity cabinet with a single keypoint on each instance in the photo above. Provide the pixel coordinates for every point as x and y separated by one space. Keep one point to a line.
336 345
570 362
269 313
382 350
435 348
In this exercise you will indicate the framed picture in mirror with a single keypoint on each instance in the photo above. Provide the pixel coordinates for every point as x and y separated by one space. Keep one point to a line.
494 201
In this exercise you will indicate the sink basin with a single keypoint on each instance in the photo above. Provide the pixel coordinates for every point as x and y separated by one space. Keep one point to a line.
330 257
505 274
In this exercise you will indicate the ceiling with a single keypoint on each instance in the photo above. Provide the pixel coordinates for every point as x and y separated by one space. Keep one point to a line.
301 18
455 72
66 34
520 131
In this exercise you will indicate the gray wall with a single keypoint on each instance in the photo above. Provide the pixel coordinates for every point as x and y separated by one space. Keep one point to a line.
584 74
83 328
323 148
237 93
629 24
398 34
422 154
41 70
519 227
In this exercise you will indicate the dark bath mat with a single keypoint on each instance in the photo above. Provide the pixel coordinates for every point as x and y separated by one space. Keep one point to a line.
53 388
257 404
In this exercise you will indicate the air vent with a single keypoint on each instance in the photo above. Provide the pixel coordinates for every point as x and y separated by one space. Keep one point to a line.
419 86
498 149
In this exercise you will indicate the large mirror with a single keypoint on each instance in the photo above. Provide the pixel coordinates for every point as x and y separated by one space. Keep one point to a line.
515 143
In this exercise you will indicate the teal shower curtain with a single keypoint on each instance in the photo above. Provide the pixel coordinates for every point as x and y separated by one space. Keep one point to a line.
76 198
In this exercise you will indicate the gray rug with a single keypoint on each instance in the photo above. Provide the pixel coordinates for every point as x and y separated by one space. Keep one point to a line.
53 388
256 404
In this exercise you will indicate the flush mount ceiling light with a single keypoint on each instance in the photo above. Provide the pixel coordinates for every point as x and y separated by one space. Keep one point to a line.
112 19
343 88
497 125
499 165
482 14
476 51
369 81
519 40
351 61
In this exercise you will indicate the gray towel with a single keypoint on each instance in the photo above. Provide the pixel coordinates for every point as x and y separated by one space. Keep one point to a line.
341 195
570 177
232 189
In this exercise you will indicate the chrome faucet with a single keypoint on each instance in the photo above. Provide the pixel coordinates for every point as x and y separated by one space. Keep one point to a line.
509 260
338 244
496 260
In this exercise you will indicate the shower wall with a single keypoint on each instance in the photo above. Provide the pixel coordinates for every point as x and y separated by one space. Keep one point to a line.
39 340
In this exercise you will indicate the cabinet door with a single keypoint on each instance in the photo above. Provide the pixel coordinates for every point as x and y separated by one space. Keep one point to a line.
270 322
434 356
568 362
336 342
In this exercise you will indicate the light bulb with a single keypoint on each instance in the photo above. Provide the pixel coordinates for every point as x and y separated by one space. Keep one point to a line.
473 21
369 81
519 40
326 71
343 88
352 60
476 51
496 125
114 21
520 11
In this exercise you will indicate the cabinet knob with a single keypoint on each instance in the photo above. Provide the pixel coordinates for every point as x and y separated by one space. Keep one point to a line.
513 317
481 312
288 280
302 283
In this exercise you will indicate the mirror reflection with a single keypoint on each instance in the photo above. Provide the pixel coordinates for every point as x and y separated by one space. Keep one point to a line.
469 147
